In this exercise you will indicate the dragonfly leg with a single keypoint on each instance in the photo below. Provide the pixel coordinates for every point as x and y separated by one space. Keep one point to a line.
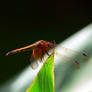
47 53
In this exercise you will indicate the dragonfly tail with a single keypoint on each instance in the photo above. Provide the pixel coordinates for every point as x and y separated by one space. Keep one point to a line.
26 48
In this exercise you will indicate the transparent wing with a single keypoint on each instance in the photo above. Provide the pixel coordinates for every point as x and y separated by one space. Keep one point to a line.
80 56
33 64
66 61
67 56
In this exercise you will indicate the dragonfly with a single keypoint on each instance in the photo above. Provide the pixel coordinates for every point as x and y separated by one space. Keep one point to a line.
40 48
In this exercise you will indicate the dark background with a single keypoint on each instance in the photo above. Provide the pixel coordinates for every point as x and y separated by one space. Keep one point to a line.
24 22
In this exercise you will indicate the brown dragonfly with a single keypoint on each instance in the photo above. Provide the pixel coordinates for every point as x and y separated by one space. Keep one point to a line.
39 48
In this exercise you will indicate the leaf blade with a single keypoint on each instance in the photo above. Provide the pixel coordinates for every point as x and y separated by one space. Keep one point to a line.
44 81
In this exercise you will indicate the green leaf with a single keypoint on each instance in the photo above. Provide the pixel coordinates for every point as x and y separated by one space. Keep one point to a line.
44 81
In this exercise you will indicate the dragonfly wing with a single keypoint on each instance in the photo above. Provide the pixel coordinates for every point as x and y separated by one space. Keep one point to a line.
67 60
69 52
33 64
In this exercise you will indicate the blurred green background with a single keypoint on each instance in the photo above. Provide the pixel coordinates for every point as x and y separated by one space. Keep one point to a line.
24 22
